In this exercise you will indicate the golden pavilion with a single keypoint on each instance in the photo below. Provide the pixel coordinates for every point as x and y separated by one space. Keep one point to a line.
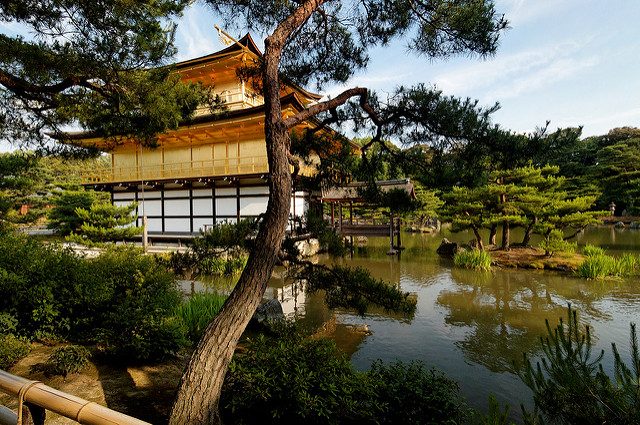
211 169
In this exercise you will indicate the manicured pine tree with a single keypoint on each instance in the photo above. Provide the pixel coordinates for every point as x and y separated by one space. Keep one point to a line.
103 222
466 209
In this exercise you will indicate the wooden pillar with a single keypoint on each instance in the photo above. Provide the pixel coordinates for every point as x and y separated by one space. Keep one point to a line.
391 250
162 212
351 223
145 234
340 215
398 232
191 207
238 200
333 215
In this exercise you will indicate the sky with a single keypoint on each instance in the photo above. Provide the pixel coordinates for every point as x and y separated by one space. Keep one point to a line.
571 62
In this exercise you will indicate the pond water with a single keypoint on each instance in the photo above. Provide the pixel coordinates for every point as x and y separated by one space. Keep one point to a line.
474 326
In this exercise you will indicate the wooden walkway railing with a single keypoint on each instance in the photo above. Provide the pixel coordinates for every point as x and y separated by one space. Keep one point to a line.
34 398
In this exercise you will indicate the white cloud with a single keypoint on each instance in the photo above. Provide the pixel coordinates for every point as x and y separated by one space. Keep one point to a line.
511 75
552 72
602 123
191 38
521 12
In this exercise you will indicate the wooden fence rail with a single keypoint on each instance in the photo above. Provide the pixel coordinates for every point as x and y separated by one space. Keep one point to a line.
35 397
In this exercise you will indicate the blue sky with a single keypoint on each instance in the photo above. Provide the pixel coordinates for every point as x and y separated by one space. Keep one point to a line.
573 62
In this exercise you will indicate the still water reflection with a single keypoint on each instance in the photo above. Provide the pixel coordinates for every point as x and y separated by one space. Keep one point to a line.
474 326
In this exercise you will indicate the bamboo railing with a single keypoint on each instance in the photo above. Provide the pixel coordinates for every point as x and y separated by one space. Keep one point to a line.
35 398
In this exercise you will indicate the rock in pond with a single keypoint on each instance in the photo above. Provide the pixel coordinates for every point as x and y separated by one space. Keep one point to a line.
448 249
267 311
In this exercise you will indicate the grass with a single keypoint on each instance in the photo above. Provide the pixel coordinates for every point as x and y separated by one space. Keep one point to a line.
592 251
598 265
218 266
196 312
473 259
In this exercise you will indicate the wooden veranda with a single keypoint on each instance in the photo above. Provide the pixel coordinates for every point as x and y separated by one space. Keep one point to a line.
349 196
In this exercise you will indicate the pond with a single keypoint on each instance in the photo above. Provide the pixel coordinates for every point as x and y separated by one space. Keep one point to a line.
474 326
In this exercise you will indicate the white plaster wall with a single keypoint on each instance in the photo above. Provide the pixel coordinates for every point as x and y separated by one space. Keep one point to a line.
253 206
124 195
150 207
176 207
226 206
202 207
225 191
260 190
154 224
177 225
176 193
199 223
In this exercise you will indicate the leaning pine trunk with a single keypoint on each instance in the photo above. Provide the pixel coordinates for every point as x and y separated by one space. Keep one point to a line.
528 232
478 238
492 234
199 391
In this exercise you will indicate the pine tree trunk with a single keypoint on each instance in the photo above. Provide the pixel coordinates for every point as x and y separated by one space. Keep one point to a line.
478 238
199 391
528 232
492 234
506 235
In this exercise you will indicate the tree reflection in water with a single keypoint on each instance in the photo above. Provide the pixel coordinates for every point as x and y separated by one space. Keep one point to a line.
506 311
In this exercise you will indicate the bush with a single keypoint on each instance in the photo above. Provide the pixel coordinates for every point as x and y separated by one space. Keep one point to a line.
328 239
294 380
122 300
555 243
12 349
63 217
41 285
8 324
134 307
411 393
67 359
196 313
592 251
473 259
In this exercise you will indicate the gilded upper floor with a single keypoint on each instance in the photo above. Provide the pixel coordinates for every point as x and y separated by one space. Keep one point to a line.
208 145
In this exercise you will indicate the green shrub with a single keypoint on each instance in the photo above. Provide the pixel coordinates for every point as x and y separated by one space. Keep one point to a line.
592 251
42 286
294 380
411 393
196 312
122 300
473 259
12 349
8 324
134 307
555 243
67 359
328 238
